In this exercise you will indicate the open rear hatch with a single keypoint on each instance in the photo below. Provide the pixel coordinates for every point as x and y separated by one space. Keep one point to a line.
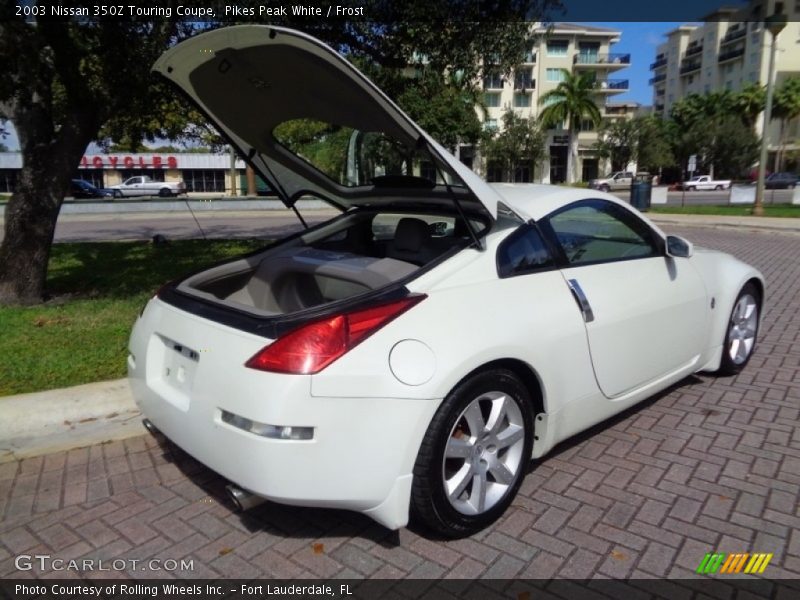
311 124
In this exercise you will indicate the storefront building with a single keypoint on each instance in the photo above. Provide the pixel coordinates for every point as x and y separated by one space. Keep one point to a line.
206 173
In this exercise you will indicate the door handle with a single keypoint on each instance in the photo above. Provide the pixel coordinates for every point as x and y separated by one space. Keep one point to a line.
580 298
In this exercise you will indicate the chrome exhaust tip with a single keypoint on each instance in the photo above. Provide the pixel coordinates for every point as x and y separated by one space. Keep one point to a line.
148 424
243 500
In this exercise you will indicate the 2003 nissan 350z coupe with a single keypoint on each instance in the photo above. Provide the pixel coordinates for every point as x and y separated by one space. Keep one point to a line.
413 354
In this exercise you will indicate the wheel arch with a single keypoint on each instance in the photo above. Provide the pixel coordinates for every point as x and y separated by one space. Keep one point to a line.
526 374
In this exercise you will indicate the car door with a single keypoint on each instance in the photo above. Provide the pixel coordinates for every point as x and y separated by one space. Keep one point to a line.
645 313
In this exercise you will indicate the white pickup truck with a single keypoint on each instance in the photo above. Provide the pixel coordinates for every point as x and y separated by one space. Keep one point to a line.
143 185
704 182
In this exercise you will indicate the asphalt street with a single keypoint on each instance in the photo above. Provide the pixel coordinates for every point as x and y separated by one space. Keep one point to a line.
709 465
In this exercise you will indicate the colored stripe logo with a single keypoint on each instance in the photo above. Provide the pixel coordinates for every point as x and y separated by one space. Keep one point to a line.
720 562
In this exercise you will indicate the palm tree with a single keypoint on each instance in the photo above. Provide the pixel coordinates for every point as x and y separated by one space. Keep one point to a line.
785 107
750 102
569 103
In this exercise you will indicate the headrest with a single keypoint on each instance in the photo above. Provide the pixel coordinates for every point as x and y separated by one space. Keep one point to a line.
411 234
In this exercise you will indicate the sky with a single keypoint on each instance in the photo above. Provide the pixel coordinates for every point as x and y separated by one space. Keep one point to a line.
638 39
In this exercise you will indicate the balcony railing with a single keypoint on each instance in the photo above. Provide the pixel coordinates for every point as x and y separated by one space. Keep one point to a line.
658 78
661 62
529 57
692 50
611 84
730 55
593 58
525 85
733 35
690 67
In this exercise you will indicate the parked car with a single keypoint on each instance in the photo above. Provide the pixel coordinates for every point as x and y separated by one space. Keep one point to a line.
620 180
415 352
781 181
704 182
79 188
143 185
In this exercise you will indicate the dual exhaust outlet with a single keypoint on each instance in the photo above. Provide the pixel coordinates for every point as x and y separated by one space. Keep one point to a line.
242 499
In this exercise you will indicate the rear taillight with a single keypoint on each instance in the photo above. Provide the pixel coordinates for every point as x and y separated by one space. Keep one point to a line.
313 347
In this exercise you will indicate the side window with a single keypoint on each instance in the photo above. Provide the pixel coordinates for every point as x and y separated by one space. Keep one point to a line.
522 252
592 231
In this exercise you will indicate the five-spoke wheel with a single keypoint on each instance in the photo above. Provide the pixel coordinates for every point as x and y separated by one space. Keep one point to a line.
740 338
475 454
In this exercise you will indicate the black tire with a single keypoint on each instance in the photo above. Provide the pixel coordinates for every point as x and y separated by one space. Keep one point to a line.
117 194
729 365
165 192
718 188
430 504
605 188
691 188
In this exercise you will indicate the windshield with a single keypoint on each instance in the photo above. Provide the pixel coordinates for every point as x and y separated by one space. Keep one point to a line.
351 157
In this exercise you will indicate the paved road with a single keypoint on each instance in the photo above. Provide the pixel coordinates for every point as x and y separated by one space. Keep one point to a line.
710 465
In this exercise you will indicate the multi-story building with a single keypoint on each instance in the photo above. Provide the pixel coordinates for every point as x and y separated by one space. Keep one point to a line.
727 51
555 48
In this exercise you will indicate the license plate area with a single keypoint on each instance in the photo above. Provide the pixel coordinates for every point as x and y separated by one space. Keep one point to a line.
172 370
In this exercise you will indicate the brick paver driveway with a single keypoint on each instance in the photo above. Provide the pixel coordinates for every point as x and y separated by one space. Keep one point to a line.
712 464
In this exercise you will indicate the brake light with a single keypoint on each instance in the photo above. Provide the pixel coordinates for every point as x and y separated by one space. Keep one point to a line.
312 347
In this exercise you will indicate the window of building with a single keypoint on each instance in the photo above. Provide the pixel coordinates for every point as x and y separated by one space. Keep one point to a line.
589 52
586 125
691 79
494 171
8 180
490 125
728 85
154 174
204 180
557 47
555 74
754 56
492 100
522 173
493 81
522 100
523 79
93 176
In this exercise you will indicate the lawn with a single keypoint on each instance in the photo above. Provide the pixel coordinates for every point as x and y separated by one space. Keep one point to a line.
97 290
732 210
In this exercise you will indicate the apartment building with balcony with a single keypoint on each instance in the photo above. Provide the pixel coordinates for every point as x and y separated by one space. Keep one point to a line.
554 48
727 50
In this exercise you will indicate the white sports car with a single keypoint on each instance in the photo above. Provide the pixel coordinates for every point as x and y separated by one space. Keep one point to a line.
412 355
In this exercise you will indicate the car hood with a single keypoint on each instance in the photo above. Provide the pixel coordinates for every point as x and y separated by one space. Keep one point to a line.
267 87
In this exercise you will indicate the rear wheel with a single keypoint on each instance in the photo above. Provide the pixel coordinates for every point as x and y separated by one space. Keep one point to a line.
474 456
165 192
740 338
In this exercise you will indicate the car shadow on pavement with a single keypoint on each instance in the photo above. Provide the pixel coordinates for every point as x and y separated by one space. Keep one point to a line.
609 423
279 520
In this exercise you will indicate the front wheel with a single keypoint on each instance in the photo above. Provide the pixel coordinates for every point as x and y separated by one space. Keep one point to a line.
718 188
740 338
691 188
474 455
117 194
605 188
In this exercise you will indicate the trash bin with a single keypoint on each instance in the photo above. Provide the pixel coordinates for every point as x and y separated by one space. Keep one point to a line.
641 192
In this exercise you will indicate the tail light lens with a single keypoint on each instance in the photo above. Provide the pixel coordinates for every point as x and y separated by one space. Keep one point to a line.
311 348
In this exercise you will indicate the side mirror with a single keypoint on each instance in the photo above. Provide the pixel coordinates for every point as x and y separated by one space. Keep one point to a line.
438 229
677 247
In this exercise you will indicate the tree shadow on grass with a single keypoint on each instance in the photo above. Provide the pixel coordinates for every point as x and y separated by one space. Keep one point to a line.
126 269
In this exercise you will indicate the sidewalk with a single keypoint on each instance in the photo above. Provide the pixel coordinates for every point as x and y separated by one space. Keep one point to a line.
63 419
775 224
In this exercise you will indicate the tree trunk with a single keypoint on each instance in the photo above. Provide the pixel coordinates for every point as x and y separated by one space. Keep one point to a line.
572 157
251 181
48 162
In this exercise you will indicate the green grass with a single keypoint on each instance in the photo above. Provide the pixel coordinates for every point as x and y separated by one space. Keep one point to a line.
97 289
733 210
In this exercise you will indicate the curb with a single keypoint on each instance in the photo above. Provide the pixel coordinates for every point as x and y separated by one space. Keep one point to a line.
63 419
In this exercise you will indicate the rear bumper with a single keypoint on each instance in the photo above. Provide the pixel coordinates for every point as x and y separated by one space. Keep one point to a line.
362 452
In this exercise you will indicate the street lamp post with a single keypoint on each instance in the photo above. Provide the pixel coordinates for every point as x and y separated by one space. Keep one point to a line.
774 25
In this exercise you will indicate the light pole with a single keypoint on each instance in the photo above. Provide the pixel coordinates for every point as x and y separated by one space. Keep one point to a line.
774 25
